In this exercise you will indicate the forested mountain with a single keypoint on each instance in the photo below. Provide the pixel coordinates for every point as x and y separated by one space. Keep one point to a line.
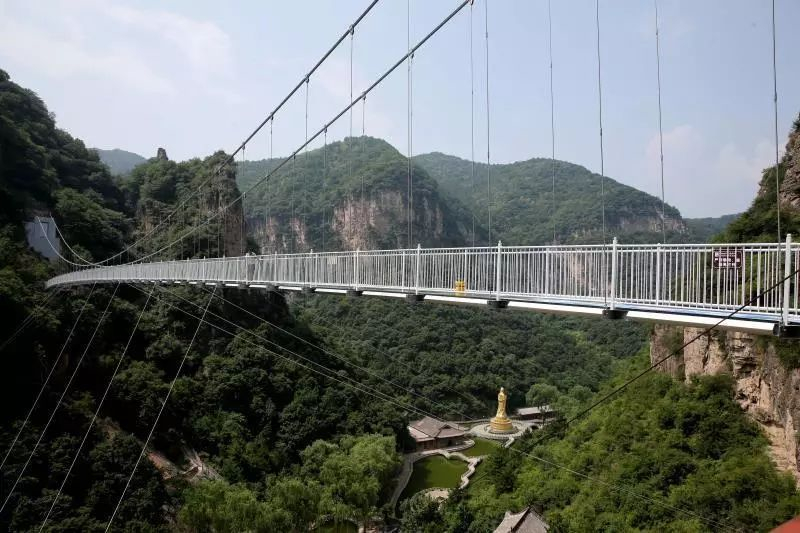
522 202
705 229
119 162
350 194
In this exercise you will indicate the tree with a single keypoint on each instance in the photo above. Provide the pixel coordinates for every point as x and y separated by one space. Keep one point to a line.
421 514
541 394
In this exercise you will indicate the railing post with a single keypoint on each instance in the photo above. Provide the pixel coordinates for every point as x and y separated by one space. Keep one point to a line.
658 273
403 270
498 265
355 273
787 271
313 269
416 273
613 294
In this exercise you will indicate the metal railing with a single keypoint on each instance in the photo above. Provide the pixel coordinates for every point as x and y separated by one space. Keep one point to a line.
698 278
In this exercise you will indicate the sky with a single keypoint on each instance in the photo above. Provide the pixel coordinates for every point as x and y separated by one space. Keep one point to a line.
195 76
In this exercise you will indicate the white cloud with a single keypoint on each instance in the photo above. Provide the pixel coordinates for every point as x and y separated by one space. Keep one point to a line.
63 57
204 44
706 179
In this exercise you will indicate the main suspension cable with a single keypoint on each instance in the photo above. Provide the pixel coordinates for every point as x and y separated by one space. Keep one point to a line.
233 155
49 375
160 411
339 115
60 399
97 410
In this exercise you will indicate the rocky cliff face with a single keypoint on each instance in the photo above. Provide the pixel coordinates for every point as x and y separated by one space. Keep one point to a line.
766 390
378 221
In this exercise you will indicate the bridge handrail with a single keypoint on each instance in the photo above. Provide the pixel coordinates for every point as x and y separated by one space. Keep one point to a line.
692 277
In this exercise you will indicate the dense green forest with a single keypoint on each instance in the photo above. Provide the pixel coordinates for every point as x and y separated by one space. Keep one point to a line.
289 411
522 202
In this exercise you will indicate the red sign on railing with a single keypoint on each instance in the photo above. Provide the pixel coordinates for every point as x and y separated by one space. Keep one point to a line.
728 258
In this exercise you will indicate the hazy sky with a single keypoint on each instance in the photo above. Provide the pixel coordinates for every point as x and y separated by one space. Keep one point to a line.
196 76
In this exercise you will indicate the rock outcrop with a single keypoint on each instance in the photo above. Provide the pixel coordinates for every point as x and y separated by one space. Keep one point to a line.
765 389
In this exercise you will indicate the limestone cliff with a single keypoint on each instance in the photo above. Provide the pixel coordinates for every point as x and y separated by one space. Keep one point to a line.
767 390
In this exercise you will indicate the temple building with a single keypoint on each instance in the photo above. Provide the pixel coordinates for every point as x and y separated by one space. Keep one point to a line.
429 434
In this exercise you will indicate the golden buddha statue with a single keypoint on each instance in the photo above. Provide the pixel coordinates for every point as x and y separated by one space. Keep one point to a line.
501 423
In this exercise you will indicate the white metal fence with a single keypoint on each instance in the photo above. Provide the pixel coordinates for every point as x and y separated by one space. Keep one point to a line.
702 278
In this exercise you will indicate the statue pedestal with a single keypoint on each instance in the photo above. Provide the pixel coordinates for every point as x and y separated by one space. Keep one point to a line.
501 425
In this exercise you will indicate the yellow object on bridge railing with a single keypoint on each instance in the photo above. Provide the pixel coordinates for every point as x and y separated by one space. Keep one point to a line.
461 287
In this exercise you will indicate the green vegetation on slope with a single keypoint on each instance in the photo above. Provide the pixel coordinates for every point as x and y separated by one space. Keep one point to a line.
119 162
705 229
522 202
460 357
688 446
309 189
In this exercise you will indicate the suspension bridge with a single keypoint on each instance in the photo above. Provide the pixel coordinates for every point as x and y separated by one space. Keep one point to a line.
746 287
687 284
749 287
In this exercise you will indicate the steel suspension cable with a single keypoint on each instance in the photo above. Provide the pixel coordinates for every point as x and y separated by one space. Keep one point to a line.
488 123
308 343
600 121
29 319
97 410
409 184
350 138
324 184
339 115
160 411
60 399
325 372
232 156
660 129
374 348
472 112
602 158
775 107
49 375
304 209
552 119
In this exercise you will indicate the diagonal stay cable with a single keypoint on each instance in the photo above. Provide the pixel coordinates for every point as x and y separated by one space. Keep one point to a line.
330 324
97 410
325 372
326 351
160 411
61 398
49 375
32 316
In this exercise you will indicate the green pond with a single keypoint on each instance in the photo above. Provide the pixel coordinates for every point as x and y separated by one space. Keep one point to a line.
435 471
481 447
